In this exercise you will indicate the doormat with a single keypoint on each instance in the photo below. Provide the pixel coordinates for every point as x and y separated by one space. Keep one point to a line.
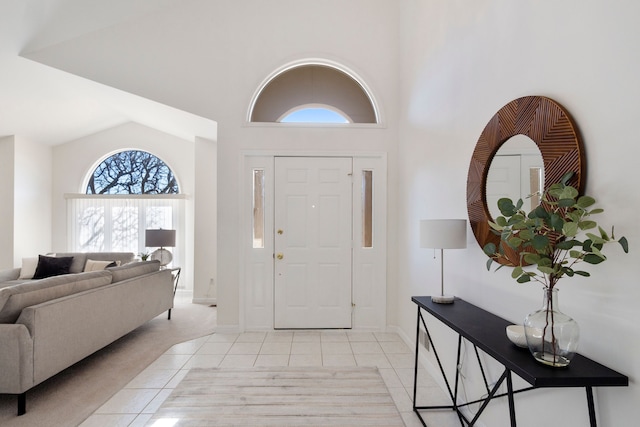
280 396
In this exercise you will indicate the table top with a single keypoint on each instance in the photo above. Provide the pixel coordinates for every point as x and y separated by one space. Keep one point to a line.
488 332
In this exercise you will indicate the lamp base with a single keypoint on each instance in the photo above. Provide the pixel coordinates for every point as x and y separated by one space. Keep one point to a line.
442 299
162 255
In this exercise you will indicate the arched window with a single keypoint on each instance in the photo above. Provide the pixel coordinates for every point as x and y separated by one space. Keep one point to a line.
127 193
314 114
132 172
298 88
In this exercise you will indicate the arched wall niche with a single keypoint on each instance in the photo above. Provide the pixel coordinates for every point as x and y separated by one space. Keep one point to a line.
313 82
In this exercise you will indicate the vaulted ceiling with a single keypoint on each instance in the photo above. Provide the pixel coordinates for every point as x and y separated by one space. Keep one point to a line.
48 105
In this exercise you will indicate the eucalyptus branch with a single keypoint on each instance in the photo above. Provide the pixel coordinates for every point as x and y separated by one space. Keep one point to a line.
549 237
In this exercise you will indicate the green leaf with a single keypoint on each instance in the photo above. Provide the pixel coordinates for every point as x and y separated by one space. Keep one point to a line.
546 270
489 249
515 219
593 259
565 245
516 272
566 177
530 258
526 234
586 201
570 229
519 204
566 203
523 279
514 242
501 221
545 261
604 234
495 226
540 242
506 207
556 222
539 212
575 254
568 192
595 239
587 225
625 245
582 273
596 211
555 190
489 262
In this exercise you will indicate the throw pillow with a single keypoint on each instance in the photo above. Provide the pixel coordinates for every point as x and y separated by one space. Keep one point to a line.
28 268
52 266
95 265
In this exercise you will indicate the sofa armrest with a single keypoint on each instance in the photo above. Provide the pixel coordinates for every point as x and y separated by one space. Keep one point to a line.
16 359
11 274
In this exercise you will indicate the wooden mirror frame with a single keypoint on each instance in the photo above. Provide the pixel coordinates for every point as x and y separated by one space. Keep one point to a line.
549 125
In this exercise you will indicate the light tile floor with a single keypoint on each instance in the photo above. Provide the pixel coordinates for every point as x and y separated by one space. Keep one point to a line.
137 402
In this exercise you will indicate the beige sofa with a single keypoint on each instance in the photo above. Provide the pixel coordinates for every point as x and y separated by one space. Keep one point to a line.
49 324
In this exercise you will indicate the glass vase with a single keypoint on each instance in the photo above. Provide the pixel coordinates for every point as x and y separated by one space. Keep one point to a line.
552 336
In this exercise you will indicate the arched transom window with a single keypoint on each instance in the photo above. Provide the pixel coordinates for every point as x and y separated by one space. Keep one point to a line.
132 172
313 93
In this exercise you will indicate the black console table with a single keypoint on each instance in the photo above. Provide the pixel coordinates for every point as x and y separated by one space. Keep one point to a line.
486 332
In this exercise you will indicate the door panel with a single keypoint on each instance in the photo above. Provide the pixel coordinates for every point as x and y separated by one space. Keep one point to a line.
313 262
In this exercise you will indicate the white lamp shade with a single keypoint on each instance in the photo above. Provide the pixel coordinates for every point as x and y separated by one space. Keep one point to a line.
160 238
443 233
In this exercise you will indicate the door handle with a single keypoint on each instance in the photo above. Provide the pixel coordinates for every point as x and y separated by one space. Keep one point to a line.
280 256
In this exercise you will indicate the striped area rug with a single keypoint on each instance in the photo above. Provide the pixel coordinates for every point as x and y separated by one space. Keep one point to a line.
287 396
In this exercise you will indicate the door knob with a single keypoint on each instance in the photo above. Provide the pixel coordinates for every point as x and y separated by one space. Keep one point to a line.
280 231
280 256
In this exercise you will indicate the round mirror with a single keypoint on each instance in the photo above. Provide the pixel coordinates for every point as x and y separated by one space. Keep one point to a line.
516 172
551 128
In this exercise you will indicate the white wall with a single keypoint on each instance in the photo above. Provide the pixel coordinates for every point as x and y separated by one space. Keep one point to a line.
32 208
73 161
461 62
205 221
26 200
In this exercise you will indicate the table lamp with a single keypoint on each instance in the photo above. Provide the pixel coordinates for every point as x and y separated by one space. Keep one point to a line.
443 234
160 239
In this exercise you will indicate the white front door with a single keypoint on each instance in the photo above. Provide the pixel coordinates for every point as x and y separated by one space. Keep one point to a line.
313 255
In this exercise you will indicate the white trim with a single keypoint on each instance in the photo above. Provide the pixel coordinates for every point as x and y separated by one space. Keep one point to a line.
125 196
320 62
262 317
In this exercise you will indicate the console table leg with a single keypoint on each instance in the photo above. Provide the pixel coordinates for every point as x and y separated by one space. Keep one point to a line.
592 409
512 407
415 366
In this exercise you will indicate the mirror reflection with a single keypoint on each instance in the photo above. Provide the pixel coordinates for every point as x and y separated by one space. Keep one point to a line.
516 172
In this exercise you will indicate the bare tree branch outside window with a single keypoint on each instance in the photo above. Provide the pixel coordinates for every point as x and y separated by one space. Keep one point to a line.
117 227
132 172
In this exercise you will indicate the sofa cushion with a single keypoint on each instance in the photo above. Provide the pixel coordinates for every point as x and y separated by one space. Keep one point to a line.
14 298
97 265
80 258
133 269
28 269
52 266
